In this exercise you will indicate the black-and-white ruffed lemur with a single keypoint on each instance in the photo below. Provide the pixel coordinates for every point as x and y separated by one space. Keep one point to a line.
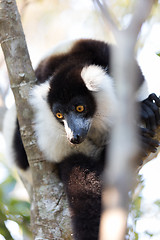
74 103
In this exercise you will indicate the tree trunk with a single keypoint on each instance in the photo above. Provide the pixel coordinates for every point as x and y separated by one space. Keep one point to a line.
50 217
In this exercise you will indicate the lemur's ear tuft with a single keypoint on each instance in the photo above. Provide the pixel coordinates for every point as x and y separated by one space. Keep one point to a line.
93 77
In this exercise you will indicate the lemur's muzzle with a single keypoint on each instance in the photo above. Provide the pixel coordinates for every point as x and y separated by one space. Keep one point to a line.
76 127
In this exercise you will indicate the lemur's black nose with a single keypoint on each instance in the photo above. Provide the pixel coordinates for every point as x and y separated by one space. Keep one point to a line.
76 139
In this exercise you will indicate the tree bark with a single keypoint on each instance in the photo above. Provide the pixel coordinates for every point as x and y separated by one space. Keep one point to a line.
50 217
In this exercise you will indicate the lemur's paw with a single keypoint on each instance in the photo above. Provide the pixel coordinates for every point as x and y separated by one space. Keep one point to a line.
150 111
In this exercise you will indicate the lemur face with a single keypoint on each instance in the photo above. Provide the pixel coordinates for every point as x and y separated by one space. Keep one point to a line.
76 118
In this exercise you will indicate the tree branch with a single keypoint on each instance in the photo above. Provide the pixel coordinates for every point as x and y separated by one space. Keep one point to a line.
102 6
119 173
50 217
141 11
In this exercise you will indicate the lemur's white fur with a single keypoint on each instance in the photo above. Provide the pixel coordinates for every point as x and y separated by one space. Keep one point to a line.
51 135
142 92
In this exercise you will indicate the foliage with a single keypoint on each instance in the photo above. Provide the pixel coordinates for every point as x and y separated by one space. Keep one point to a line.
12 209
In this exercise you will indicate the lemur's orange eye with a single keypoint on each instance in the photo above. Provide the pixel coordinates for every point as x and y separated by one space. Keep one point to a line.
80 108
59 115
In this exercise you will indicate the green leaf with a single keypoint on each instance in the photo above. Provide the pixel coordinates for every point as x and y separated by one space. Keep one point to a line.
158 54
157 203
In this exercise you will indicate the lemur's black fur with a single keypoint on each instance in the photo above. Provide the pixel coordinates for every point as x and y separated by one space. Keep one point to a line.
20 154
83 184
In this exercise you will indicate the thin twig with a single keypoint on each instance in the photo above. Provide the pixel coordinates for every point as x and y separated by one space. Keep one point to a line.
102 6
140 13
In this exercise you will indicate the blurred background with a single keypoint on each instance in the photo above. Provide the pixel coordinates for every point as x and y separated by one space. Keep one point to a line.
47 23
